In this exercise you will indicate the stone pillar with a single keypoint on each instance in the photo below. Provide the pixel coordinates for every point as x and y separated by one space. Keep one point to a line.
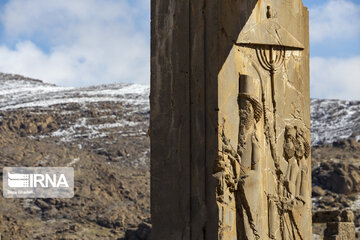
339 224
230 120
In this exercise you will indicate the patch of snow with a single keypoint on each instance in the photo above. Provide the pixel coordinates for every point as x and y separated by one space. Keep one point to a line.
137 89
121 123
75 160
16 94
82 100
81 129
355 205
141 161
333 120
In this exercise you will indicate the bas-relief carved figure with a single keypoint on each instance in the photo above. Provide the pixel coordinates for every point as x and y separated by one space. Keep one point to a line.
284 209
263 174
238 170
249 149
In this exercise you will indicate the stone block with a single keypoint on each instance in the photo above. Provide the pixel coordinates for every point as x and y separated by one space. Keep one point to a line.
340 231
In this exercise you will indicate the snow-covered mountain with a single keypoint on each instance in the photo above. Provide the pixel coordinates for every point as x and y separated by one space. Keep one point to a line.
101 132
19 92
96 118
331 120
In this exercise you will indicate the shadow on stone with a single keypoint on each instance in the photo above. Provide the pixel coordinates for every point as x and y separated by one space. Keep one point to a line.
143 232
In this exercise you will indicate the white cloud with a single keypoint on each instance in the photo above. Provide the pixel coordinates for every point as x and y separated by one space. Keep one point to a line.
88 42
336 19
335 78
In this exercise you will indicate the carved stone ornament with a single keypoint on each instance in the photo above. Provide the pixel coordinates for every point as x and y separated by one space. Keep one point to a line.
268 197
271 41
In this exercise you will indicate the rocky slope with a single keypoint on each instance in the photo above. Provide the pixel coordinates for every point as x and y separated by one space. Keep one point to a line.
335 132
336 179
101 131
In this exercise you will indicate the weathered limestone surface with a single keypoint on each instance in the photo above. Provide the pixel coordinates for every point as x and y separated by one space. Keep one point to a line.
230 120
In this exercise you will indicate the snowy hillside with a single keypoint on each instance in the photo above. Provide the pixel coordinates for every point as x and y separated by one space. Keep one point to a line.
18 92
333 120
96 118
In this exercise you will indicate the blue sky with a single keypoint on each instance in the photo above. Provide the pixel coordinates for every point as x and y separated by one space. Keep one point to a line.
88 42
335 27
334 48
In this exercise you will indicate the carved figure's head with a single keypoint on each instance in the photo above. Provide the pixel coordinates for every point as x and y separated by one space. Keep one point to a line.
299 149
248 94
290 142
303 150
295 144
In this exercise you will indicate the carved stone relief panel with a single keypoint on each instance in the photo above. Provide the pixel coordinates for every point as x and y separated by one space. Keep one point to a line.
266 144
